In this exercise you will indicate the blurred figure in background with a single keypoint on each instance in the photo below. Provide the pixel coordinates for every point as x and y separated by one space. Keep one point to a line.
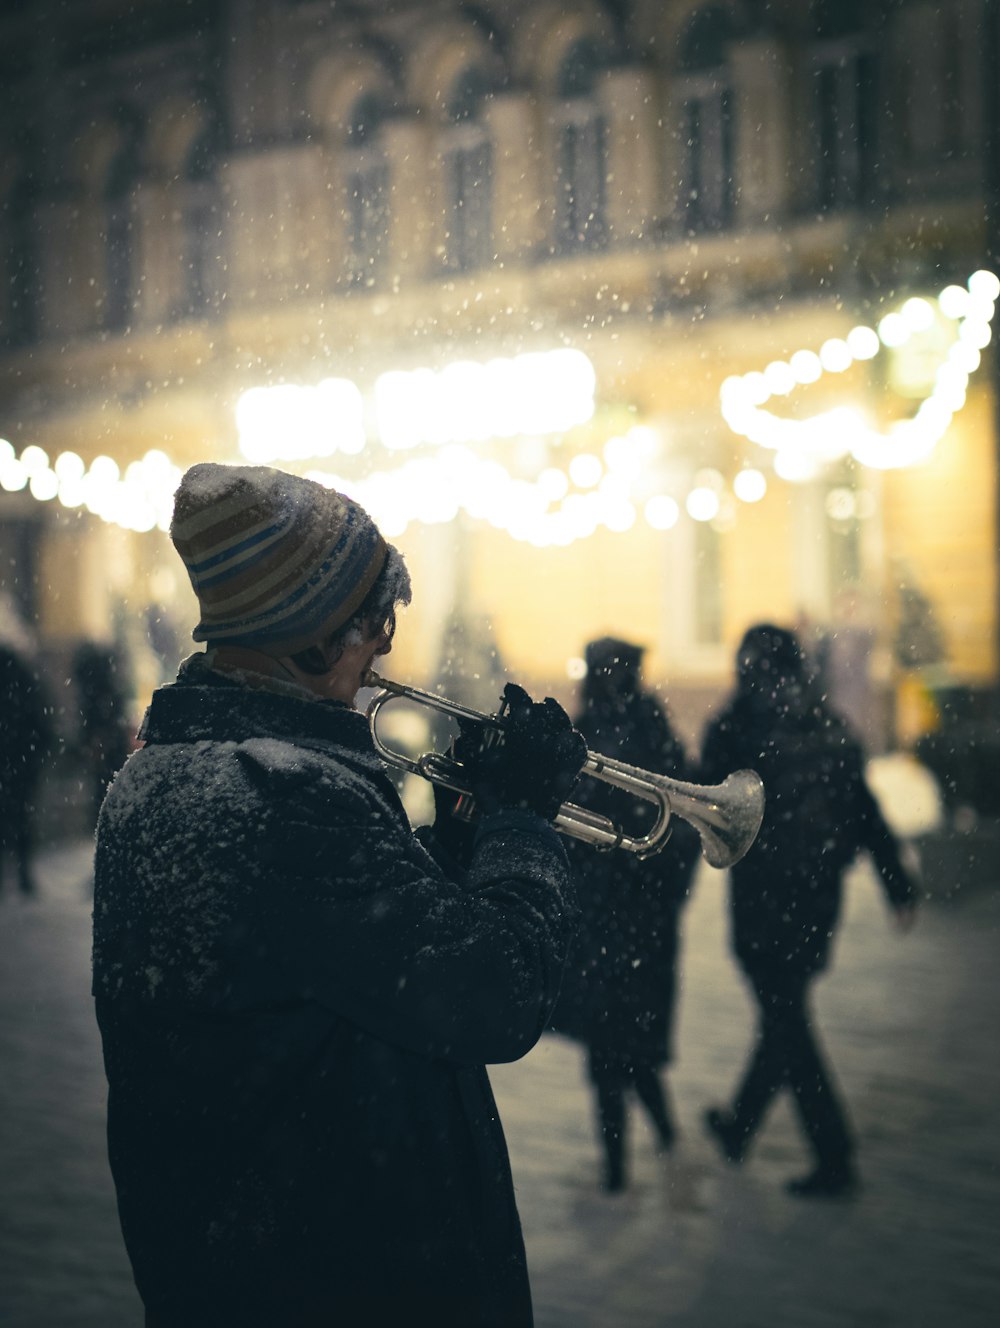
619 988
785 894
27 735
105 733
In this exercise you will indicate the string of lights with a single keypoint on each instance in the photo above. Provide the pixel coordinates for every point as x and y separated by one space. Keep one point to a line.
437 415
803 447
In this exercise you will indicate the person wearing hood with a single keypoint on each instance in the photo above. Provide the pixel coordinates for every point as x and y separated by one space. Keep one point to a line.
297 995
619 990
785 895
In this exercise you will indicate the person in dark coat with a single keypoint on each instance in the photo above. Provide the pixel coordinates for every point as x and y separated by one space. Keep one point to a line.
104 734
26 736
619 990
297 996
785 895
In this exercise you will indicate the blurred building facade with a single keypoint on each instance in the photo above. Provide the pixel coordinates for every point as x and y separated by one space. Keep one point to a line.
718 204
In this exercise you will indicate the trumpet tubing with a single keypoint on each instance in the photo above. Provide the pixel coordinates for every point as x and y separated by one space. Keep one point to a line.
727 816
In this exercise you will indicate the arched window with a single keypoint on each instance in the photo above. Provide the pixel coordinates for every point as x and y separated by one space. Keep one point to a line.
581 153
707 184
844 114
202 222
468 175
366 181
20 324
119 235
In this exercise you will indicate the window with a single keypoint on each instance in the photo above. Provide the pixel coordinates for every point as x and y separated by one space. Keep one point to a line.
20 326
119 238
366 178
707 186
934 77
581 154
468 168
844 108
202 222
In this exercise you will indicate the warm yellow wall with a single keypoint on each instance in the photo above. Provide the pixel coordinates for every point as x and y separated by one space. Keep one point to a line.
940 517
547 603
758 563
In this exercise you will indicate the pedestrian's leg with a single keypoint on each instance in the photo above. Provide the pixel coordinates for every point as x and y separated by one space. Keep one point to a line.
818 1102
653 1096
765 1072
609 1085
24 845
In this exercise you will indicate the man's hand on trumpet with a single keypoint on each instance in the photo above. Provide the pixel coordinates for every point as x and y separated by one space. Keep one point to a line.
534 763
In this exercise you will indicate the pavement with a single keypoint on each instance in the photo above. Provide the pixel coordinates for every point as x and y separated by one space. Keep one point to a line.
911 1025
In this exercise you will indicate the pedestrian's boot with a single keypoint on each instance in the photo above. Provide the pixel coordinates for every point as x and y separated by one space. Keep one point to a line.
827 1181
728 1134
614 1180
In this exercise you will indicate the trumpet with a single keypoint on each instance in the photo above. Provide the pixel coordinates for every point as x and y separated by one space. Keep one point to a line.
727 816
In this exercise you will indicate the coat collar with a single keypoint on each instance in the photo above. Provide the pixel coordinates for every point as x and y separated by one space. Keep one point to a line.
206 705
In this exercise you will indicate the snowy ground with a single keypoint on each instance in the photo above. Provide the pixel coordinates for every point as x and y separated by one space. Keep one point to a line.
911 1024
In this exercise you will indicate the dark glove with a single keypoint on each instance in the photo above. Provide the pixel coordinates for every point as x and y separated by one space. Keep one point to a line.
536 761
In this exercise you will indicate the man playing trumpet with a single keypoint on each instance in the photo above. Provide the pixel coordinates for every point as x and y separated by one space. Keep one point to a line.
296 994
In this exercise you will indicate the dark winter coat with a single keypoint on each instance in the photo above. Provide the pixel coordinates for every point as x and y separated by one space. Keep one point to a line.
785 895
296 1005
26 731
619 988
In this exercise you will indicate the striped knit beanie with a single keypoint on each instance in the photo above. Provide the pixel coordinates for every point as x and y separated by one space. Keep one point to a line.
277 562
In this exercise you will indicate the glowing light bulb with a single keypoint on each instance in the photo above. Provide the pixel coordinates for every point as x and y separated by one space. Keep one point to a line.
702 504
749 485
835 355
953 302
917 314
661 512
806 366
863 343
69 466
43 485
13 476
780 378
892 331
986 284
553 484
34 459
585 470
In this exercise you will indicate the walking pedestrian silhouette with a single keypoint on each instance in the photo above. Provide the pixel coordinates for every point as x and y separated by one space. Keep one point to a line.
27 735
619 987
785 895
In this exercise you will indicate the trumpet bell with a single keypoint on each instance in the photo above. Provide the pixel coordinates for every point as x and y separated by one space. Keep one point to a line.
727 816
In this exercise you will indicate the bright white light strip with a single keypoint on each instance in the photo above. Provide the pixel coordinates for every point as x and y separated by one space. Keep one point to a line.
540 392
433 489
530 394
427 489
802 446
537 393
140 500
292 423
